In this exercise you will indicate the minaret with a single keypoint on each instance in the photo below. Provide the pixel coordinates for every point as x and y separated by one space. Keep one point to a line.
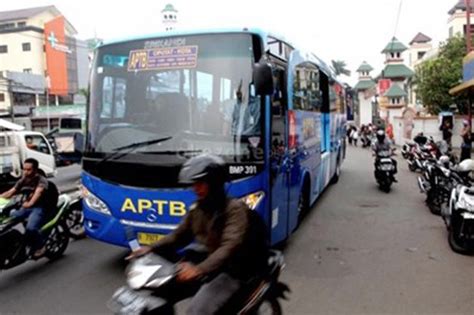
365 90
169 17
396 75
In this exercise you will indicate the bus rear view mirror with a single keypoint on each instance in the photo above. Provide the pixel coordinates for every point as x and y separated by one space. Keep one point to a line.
263 78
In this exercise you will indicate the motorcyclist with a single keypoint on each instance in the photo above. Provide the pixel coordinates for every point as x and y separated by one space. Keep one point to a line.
34 208
231 233
383 144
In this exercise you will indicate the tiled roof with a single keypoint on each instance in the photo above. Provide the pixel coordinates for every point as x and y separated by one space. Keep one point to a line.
397 71
364 85
420 38
364 67
395 91
23 13
394 46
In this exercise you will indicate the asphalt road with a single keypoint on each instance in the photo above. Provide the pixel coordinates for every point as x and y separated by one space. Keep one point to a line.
359 251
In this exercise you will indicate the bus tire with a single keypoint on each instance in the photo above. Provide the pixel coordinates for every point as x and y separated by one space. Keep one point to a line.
337 173
303 202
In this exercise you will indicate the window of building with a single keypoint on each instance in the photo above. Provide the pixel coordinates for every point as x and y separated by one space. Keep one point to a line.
26 46
392 55
2 97
421 54
166 17
27 70
6 26
3 49
21 24
398 55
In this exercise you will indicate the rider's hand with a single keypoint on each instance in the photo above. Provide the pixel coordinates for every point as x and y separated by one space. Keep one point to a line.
143 250
26 204
188 272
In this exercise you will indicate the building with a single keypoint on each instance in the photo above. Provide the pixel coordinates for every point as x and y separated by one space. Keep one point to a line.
41 61
420 50
365 91
394 80
457 19
169 17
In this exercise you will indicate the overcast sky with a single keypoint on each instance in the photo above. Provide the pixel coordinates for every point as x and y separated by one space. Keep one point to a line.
349 30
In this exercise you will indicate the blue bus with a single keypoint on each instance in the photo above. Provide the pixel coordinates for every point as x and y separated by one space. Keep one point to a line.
274 113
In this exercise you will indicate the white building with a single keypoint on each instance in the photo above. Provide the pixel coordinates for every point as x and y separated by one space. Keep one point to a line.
457 19
38 51
169 17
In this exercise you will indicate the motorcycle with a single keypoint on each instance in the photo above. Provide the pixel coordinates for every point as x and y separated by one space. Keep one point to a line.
151 273
459 219
13 246
384 169
437 181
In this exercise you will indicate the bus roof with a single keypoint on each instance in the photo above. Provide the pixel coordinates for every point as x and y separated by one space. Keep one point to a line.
257 31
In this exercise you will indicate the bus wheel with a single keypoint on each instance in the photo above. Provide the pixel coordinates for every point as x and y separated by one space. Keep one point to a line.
303 202
337 173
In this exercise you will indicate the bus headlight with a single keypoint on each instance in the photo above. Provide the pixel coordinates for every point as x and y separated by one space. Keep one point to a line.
94 202
253 200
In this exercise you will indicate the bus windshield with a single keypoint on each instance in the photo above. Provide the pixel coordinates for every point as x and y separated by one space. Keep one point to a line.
194 91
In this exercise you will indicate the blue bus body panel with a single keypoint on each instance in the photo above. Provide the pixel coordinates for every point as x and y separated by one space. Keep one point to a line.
149 210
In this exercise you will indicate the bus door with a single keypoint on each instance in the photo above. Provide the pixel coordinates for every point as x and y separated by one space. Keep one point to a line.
280 160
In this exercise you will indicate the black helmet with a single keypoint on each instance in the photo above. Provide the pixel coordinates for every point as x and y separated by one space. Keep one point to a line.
205 167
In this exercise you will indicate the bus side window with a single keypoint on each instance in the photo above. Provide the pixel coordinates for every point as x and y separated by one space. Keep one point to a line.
278 116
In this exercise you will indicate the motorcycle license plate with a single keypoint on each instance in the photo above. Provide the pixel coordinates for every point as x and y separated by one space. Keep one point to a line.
386 160
386 167
127 301
148 238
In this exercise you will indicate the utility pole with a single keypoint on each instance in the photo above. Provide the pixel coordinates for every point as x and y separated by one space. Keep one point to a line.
10 95
468 48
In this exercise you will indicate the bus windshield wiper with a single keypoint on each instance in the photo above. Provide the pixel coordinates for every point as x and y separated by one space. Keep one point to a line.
130 147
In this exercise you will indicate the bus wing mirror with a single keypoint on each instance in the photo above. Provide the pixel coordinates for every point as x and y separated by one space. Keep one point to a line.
263 78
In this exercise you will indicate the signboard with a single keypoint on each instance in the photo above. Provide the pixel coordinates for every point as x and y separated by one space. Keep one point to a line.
183 57
55 38
383 85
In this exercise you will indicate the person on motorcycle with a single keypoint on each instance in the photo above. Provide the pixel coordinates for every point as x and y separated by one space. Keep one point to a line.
34 208
233 235
383 144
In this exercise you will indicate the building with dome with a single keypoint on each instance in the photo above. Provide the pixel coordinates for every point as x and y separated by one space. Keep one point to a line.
169 17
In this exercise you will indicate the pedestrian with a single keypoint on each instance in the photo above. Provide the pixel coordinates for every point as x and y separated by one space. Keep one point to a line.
349 134
466 140
390 134
447 129
355 136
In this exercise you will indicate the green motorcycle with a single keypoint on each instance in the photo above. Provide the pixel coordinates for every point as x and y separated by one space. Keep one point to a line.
13 246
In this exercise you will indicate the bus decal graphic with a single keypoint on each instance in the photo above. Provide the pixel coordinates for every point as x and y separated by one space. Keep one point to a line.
184 57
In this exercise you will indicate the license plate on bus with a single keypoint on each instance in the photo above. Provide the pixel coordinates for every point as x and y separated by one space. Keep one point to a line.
148 238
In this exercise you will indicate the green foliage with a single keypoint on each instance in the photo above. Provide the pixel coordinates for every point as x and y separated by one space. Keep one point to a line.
339 67
435 77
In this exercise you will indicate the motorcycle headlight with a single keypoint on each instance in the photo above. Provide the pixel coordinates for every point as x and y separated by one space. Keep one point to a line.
94 202
253 200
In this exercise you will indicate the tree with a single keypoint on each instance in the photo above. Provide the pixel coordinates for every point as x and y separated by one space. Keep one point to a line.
435 77
339 67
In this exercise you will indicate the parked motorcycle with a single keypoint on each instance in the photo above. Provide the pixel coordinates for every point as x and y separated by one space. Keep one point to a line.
152 273
459 216
13 246
437 181
384 169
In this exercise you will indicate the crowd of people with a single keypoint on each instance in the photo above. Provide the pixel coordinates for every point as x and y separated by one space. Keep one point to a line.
366 134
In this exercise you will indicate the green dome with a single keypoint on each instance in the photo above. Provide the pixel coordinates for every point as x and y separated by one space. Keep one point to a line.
169 8
394 46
